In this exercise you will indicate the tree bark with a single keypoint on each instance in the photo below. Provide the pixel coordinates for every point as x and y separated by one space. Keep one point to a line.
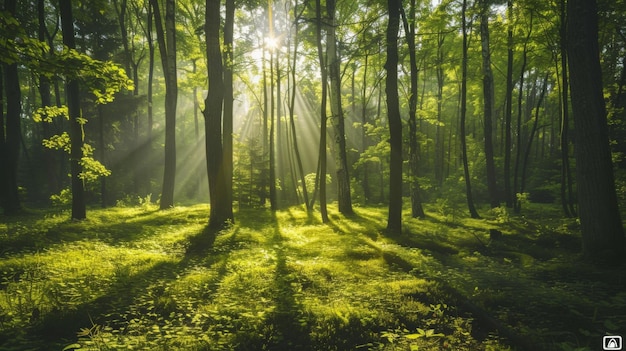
167 47
221 211
321 176
76 129
567 197
292 106
227 133
468 183
488 106
601 226
416 203
344 197
508 192
394 219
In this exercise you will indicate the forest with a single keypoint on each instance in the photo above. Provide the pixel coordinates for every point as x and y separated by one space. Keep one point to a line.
312 175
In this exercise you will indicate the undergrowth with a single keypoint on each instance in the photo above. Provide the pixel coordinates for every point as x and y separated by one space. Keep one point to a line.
127 278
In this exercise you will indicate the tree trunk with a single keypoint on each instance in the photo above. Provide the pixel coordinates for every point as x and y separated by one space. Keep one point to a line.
566 173
488 103
167 47
394 219
468 183
11 201
439 137
416 203
292 106
321 176
508 192
221 210
227 134
76 128
518 145
344 197
601 226
533 131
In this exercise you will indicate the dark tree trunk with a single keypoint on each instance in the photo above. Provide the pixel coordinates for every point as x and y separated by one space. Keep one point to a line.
567 202
76 128
533 131
394 219
321 176
416 203
601 226
488 103
508 192
292 106
344 197
221 210
167 47
520 98
468 183
150 74
13 130
227 133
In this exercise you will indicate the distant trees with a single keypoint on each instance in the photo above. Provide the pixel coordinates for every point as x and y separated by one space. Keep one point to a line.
425 93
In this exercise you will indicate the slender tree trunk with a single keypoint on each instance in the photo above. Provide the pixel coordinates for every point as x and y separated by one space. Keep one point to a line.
227 134
508 192
150 74
51 159
488 103
468 183
292 106
321 177
601 225
334 67
566 173
533 131
518 146
221 209
3 147
416 203
365 183
394 219
439 137
167 47
11 202
76 128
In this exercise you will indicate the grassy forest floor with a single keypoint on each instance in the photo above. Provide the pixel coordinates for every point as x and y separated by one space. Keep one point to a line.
135 278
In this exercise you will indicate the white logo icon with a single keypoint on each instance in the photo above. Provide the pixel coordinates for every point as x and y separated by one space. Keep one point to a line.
613 342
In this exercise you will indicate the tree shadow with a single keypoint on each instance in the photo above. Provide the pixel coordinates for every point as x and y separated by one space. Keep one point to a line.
286 324
129 297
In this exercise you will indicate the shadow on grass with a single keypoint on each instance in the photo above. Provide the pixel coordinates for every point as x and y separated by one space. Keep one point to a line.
121 302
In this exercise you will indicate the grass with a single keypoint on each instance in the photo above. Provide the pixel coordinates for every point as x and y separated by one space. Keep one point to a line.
137 278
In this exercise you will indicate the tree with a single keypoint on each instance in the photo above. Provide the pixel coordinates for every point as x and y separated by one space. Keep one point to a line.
343 177
488 105
221 212
10 149
76 121
394 218
601 225
466 174
409 28
321 172
167 47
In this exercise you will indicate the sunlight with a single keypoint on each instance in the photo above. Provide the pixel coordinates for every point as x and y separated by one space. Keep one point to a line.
271 43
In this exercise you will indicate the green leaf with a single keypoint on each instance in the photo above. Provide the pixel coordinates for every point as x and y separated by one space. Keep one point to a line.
71 347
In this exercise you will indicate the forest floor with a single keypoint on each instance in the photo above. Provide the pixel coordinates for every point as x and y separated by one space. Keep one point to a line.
136 278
